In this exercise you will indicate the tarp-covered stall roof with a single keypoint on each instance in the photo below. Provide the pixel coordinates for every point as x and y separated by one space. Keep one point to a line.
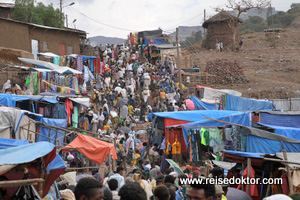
269 143
11 99
284 119
285 131
94 149
50 66
293 157
193 116
241 157
201 105
29 152
244 104
7 143
241 118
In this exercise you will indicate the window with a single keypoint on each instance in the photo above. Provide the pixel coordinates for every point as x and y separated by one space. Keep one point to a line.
45 46
69 50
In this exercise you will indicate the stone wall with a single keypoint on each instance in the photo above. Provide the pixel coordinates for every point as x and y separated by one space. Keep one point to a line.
222 32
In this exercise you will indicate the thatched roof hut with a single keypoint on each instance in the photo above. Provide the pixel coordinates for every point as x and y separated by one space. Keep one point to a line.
222 27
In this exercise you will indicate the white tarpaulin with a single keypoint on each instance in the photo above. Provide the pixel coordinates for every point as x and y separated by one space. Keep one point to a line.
50 66
82 101
48 55
293 157
224 165
214 95
12 119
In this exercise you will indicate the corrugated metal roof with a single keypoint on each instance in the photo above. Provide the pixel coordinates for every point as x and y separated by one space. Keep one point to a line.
7 5
45 27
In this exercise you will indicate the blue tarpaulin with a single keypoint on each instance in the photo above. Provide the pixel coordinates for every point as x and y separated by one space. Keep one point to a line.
193 116
25 153
280 120
7 143
11 99
201 105
285 131
244 154
155 41
57 163
52 134
244 104
241 118
268 146
262 141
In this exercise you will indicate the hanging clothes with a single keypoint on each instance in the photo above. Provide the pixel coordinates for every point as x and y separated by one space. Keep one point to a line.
35 81
75 117
69 109
92 65
215 139
204 136
253 187
56 60
79 63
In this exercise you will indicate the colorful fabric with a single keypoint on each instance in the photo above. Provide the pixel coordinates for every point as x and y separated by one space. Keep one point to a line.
56 60
35 81
176 148
79 63
204 136
75 117
215 139
49 197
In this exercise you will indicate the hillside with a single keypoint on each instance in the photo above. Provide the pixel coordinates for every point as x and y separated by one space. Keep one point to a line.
106 40
273 72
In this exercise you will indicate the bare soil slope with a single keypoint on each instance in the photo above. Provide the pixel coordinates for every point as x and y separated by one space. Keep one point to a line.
273 72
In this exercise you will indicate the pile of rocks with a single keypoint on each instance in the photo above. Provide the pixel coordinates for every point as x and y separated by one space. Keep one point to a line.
225 72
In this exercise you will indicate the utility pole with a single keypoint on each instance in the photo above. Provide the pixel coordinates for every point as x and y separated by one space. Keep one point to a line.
178 60
61 5
274 42
67 21
204 20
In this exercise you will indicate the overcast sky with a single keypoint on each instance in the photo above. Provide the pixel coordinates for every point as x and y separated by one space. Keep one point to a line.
116 18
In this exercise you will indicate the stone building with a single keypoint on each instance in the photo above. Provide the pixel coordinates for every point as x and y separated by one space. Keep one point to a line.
224 28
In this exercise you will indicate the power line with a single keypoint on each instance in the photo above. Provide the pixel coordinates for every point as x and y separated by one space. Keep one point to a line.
123 29
185 21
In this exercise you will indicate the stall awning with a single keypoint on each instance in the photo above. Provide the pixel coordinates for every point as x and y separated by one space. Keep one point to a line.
195 115
11 99
50 66
94 149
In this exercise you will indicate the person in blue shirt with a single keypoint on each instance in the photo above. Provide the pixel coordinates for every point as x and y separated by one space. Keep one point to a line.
143 150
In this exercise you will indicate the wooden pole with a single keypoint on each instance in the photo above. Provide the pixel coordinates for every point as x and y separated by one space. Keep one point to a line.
110 163
178 60
288 172
282 161
248 175
42 175
243 166
16 183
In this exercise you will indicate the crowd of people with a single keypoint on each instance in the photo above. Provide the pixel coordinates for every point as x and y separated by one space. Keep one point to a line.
130 88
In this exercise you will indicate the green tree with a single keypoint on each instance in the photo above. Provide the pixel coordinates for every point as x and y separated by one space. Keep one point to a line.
254 23
281 19
26 11
295 9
